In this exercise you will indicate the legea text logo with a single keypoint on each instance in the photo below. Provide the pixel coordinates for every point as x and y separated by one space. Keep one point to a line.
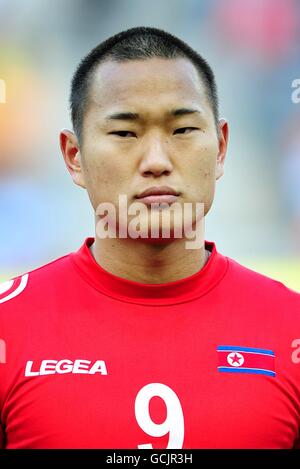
78 366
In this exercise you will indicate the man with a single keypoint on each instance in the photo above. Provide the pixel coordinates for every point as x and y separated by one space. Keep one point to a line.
138 340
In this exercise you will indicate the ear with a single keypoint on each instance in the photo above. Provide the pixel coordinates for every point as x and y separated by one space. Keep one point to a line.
223 142
70 149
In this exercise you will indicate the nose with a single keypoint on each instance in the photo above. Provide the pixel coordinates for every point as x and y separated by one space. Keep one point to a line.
155 160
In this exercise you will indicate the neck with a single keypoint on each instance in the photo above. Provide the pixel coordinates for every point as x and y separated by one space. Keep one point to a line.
147 262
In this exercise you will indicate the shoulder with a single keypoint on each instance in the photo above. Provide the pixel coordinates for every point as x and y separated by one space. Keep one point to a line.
259 285
33 285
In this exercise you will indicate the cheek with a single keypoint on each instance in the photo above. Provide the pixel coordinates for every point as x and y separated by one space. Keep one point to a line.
105 175
201 166
98 171
200 173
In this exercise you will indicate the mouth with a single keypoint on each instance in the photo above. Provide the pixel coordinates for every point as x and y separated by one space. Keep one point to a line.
161 194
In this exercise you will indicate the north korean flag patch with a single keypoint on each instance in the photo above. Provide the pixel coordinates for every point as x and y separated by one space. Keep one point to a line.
235 359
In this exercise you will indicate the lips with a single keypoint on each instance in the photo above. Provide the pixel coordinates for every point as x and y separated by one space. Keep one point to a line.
154 191
161 194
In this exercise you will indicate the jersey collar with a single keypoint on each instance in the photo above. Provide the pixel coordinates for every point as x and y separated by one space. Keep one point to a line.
179 291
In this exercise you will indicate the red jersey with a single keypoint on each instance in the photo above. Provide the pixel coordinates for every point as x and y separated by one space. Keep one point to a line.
92 360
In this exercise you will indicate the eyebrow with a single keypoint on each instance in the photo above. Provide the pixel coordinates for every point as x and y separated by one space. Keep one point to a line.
131 116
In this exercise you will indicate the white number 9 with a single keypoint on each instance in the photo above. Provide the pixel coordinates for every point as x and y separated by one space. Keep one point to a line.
174 423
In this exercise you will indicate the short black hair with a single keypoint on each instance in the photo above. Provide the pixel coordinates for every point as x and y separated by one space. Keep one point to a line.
139 43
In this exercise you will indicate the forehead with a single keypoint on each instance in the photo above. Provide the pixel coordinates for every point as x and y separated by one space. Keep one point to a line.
145 84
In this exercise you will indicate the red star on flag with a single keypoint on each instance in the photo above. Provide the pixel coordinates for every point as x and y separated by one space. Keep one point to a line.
235 359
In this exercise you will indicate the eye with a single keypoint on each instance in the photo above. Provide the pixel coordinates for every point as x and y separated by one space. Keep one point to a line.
123 133
183 130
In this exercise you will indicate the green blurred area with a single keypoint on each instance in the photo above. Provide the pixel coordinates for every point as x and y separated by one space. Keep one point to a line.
286 271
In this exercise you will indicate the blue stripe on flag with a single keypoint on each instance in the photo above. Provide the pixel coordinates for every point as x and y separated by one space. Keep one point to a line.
257 371
236 348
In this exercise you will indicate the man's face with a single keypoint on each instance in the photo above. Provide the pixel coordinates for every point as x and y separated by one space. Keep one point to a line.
160 143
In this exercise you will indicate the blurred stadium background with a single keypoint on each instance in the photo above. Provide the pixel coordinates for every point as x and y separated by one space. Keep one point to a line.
253 47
